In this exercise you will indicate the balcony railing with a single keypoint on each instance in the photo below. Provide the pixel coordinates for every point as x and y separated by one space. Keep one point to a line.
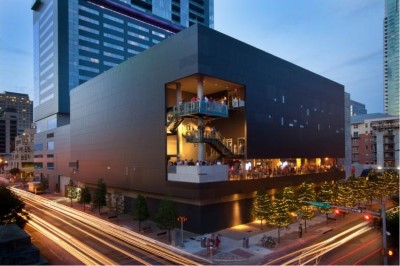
211 108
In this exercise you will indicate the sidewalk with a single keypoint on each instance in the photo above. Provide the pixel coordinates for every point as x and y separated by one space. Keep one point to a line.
232 249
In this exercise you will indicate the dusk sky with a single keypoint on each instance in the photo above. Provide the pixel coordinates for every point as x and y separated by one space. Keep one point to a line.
338 39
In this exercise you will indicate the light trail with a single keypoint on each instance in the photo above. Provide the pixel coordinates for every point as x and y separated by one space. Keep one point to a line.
126 235
316 254
100 240
366 257
65 245
316 246
353 251
97 256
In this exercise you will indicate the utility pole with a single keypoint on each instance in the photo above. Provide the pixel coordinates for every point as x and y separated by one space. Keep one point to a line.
182 219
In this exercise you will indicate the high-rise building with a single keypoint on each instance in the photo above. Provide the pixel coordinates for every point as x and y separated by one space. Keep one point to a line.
391 58
357 108
23 106
8 130
76 40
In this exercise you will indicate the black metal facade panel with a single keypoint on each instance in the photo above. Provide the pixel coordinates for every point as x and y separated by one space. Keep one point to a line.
290 111
118 118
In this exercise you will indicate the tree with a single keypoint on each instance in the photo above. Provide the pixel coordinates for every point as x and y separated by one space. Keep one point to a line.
358 187
262 206
281 216
325 194
117 204
44 183
15 171
306 193
391 179
290 197
343 194
140 210
71 192
100 193
85 196
10 207
167 216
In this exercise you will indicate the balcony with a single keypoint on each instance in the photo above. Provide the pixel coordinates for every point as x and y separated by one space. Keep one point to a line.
201 108
198 173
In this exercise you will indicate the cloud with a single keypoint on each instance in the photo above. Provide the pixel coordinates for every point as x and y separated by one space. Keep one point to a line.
355 60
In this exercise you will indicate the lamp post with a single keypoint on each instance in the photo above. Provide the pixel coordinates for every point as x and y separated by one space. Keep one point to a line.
182 219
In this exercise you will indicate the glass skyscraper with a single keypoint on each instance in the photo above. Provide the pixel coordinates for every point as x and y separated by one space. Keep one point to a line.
76 40
391 58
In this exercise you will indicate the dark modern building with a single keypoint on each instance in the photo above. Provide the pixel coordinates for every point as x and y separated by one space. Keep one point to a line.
8 130
357 108
391 57
23 106
205 120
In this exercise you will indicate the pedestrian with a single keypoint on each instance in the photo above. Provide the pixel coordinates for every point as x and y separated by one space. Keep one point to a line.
217 242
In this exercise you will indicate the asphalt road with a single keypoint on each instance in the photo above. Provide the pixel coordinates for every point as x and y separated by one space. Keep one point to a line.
90 240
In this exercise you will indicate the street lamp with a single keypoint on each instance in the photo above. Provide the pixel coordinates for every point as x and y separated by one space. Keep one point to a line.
182 219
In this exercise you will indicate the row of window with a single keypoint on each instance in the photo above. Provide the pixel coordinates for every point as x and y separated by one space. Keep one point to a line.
115 28
39 146
50 165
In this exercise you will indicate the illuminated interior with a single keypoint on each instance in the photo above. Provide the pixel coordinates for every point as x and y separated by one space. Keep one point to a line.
206 128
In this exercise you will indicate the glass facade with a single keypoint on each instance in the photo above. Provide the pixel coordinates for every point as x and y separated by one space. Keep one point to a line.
391 58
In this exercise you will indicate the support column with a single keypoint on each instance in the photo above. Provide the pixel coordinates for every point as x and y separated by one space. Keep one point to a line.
178 92
179 132
200 87
200 122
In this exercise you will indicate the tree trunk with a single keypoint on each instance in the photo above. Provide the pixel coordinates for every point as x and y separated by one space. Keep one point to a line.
326 218
84 206
169 236
261 223
305 226
140 225
279 234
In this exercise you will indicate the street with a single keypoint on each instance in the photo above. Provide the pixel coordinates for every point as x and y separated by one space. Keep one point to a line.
95 241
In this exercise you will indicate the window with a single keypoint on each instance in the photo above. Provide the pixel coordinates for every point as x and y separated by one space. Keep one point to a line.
38 165
117 47
88 29
138 27
113 18
355 126
50 166
366 124
88 20
50 135
111 27
158 34
38 147
355 134
140 36
94 12
50 155
50 145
